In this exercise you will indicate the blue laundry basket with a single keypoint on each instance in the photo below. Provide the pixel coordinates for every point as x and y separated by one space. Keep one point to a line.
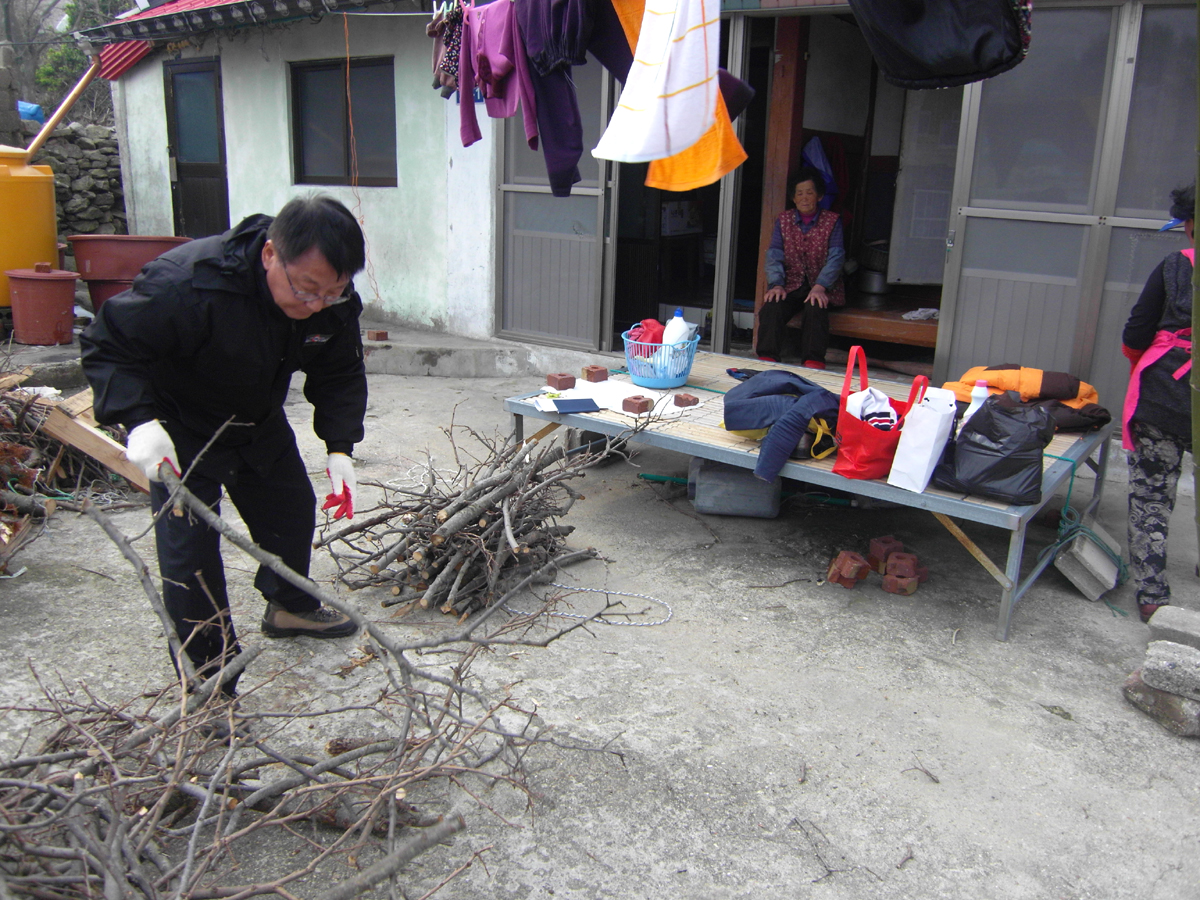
659 365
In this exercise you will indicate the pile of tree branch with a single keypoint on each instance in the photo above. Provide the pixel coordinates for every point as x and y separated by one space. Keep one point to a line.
456 541
39 474
171 800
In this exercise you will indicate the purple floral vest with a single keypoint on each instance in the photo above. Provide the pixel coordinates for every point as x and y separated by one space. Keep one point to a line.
804 255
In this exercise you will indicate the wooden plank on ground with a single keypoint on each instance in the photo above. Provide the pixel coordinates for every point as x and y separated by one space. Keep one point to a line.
12 379
95 443
79 406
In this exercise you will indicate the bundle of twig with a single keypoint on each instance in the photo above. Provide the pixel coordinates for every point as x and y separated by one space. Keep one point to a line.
39 474
122 804
36 465
168 802
455 541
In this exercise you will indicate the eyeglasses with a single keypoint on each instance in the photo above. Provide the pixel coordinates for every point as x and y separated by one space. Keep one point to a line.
309 297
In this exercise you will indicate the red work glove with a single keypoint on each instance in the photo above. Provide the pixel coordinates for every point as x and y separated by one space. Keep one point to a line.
340 469
1132 355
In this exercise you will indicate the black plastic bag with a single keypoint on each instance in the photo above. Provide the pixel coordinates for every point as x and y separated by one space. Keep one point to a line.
922 44
998 452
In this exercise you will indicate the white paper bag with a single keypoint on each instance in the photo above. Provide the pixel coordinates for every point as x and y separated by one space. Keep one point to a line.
926 429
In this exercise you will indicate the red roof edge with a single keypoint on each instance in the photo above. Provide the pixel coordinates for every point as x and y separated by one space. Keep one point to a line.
117 59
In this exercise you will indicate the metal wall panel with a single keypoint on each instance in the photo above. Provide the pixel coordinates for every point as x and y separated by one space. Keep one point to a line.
1002 320
551 280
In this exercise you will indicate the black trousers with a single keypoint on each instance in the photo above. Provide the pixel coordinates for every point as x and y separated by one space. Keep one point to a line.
772 327
279 510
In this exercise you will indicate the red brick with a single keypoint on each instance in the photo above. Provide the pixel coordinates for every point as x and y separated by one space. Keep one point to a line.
595 373
922 574
839 578
895 584
636 404
560 381
854 565
847 566
686 400
881 549
903 565
373 335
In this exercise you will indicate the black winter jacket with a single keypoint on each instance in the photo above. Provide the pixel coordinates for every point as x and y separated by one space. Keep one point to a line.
1164 305
198 340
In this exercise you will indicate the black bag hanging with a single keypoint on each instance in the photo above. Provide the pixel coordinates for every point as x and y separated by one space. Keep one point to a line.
998 452
923 44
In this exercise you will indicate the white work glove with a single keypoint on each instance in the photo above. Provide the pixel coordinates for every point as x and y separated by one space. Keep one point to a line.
149 446
340 469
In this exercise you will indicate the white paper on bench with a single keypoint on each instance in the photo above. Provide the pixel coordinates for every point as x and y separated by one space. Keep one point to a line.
610 394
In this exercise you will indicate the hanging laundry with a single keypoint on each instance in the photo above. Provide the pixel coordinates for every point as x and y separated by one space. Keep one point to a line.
493 58
670 98
558 35
452 43
718 152
437 29
922 44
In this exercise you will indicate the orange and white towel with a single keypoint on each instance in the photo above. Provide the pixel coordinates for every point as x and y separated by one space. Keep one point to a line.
670 97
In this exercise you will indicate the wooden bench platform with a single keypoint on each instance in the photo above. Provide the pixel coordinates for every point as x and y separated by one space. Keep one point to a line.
698 432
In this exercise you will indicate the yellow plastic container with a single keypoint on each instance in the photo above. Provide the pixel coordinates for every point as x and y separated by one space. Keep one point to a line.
28 227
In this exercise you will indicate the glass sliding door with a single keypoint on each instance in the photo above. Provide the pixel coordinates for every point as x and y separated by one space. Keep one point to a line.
1025 199
1064 173
551 250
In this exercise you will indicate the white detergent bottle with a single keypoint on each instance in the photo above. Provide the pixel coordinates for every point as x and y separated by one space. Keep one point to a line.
677 329
979 393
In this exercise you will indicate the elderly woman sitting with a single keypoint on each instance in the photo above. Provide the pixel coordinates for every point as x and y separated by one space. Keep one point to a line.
804 274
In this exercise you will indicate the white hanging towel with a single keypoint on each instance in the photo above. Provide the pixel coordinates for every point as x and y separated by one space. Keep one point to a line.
670 96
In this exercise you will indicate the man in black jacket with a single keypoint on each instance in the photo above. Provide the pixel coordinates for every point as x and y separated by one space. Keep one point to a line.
195 360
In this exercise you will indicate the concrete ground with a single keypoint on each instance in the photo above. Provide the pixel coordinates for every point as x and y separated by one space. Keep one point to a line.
775 739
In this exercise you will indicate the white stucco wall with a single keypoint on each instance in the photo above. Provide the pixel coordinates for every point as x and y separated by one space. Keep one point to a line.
471 199
429 239
140 106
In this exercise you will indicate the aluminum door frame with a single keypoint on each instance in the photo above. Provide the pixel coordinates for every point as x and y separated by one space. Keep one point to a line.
729 201
604 211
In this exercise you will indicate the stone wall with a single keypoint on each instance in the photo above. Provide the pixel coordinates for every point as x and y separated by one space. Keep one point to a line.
87 177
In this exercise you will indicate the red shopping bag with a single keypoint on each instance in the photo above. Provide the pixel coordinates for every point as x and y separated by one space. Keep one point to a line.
864 451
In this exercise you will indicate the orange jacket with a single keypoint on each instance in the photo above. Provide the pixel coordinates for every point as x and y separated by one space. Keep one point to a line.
1031 384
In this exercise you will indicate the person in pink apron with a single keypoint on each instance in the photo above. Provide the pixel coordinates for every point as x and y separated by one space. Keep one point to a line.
1157 421
804 274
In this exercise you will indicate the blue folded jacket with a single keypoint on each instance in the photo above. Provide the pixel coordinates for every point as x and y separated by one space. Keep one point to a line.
782 402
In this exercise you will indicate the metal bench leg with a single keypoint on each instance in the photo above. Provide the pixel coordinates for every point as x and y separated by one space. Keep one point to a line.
1012 592
518 427
1101 469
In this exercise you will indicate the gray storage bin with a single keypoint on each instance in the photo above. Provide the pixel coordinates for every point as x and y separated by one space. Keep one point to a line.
719 489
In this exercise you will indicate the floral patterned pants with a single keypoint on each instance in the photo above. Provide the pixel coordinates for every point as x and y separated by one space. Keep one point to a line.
1154 465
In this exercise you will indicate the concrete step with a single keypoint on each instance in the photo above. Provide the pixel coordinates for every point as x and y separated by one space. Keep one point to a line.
404 352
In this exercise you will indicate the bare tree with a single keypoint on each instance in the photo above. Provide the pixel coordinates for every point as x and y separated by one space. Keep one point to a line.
29 26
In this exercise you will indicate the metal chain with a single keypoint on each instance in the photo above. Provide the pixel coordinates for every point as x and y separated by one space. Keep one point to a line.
603 621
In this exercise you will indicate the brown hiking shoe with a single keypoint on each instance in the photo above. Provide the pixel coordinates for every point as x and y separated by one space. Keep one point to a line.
320 623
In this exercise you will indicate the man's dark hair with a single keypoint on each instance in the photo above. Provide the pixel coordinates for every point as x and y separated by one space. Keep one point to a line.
1183 202
322 222
810 174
